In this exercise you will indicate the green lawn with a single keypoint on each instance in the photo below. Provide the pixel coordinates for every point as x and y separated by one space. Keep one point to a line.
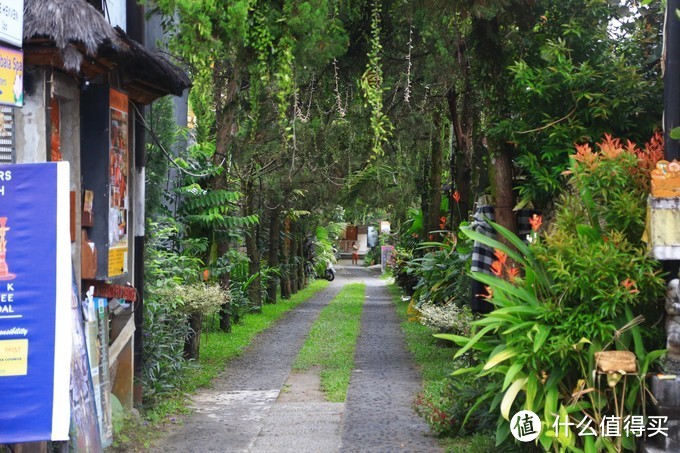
332 340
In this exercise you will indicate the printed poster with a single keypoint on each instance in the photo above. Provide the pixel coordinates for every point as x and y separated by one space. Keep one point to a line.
84 435
118 184
35 302
11 77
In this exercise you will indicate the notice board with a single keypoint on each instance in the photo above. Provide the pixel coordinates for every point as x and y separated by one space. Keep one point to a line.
105 167
35 302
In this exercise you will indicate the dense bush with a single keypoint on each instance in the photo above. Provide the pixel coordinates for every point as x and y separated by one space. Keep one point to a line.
580 289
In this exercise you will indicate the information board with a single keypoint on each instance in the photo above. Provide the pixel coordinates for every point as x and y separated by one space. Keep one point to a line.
35 302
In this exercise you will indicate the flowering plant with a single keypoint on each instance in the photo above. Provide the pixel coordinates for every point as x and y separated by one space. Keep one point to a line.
449 318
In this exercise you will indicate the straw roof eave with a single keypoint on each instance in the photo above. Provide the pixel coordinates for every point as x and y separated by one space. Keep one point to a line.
67 22
76 28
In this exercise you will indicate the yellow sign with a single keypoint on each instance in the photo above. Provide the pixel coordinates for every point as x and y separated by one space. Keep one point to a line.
11 77
13 357
117 261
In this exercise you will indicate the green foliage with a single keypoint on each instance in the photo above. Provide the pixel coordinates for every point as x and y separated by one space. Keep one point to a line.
580 289
211 208
448 318
165 327
372 85
325 243
442 273
581 80
161 121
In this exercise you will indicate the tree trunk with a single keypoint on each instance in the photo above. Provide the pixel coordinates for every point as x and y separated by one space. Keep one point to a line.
225 282
435 177
501 176
463 150
425 194
273 258
286 286
225 101
294 284
193 342
302 278
255 287
501 167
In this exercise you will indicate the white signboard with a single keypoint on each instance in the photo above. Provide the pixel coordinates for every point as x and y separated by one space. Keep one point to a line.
12 21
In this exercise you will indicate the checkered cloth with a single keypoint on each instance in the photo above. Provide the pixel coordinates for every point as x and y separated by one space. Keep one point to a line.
482 255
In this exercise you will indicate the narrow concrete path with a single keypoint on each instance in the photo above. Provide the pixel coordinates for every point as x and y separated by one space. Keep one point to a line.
378 414
258 406
230 416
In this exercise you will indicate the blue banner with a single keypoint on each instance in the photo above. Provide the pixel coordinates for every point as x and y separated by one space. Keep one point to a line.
35 324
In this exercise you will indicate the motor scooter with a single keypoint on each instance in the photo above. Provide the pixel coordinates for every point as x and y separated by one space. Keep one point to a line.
329 274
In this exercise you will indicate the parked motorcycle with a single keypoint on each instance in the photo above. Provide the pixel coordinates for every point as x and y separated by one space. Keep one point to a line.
329 273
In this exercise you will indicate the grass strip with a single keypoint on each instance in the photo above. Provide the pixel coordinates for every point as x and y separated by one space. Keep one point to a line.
217 348
332 341
436 364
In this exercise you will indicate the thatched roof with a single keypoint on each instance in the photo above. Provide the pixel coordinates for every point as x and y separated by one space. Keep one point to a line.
77 29
68 22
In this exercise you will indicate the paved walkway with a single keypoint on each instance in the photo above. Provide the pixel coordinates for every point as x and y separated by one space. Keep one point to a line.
258 406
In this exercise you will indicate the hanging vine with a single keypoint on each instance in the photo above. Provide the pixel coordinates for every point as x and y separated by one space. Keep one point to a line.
372 86
407 90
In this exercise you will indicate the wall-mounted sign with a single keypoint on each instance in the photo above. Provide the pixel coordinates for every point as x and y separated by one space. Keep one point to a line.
35 302
11 76
12 21
118 184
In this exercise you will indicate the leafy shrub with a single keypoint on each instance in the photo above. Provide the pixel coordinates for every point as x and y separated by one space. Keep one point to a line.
166 326
195 298
372 256
165 332
447 407
578 294
403 270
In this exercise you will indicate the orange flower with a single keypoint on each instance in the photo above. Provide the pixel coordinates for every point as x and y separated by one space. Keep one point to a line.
430 236
610 147
500 256
535 222
628 283
497 268
584 154
489 293
456 196
442 222
513 273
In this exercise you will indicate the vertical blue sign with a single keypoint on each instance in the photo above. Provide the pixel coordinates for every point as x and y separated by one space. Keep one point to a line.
35 324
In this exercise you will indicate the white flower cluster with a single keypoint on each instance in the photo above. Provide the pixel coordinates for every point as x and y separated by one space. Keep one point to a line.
449 318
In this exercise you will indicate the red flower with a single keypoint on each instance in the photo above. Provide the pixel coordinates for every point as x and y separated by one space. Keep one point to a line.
442 222
430 236
535 222
497 268
456 196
